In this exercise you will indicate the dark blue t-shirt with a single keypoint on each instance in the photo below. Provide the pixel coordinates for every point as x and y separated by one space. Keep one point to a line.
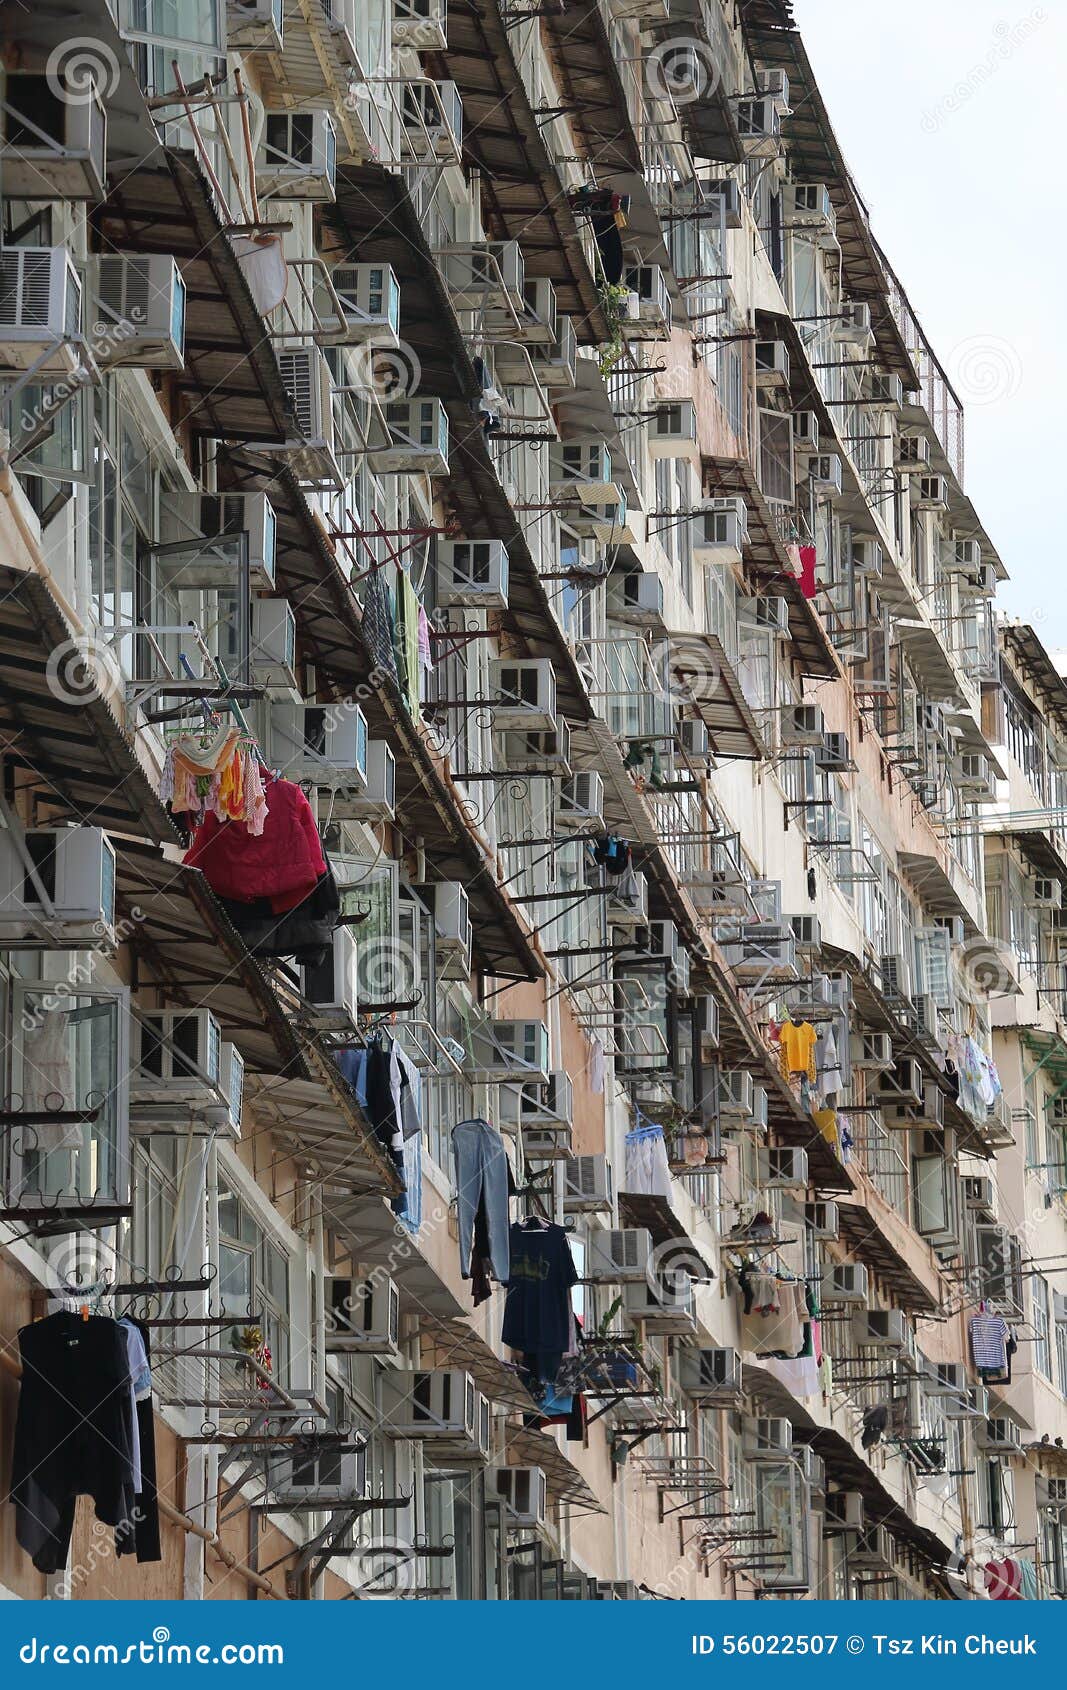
537 1316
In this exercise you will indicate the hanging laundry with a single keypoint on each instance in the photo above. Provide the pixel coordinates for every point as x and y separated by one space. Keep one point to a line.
989 1342
537 1314
647 1168
828 1062
425 653
378 625
143 1539
797 1049
482 1175
282 863
215 774
807 571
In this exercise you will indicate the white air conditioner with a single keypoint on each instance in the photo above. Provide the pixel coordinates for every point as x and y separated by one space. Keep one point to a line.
843 1511
431 114
806 931
879 1328
825 471
437 1406
137 302
546 1142
416 439
488 274
524 1491
999 1434
673 429
362 1315
805 432
635 598
546 753
867 556
822 1219
663 1303
706 1375
207 536
761 1102
766 1438
539 317
707 1021
618 1256
719 531
452 922
873 1552
759 125
933 493
297 157
809 206
853 326
472 572
325 1472
647 281
728 190
582 469
735 1093
581 802
973 774
330 988
523 694
803 724
325 744
53 135
272 659
551 1104
765 612
694 739
1043 893
762 952
885 389
903 1083
421 24
68 900
176 1072
555 364
41 312
506 1052
945 1378
375 801
844 1282
833 754
309 388
586 1185
980 1196
772 364
972 1405
781 1169
912 453
370 304
964 555
872 1051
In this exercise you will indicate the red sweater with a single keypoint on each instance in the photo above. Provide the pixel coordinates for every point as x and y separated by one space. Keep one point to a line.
283 863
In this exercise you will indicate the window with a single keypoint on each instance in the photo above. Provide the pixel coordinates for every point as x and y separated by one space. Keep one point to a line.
253 1280
1042 1326
154 1241
1061 1356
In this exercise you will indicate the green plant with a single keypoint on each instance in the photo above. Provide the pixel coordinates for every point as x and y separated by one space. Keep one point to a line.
613 298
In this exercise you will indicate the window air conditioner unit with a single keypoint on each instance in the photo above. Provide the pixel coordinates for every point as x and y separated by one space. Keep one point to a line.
472 572
825 471
548 1142
330 988
625 910
362 1316
903 1083
833 754
432 117
620 1256
873 1552
759 124
581 802
979 1195
416 440
973 774
867 557
664 1304
434 1406
309 387
636 598
945 1378
806 931
999 1434
41 311
803 724
555 364
933 492
928 1112
490 274
324 744
965 555
779 1169
736 1089
551 1104
894 975
693 737
728 190
766 1439
972 1405
452 922
421 24
845 1282
208 534
582 469
523 694
872 1051
707 1021
853 327
708 1375
772 364
654 302
762 953
1044 893
822 1219
775 84
512 1051
298 157
376 800
983 583
673 429
879 1328
324 1472
764 612
809 206
586 1185
525 1494
54 138
886 389
370 304
719 531
805 432
273 654
176 1071
539 317
68 902
912 452
137 303
843 1511
255 26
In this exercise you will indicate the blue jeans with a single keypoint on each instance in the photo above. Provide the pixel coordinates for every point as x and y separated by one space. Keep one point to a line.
482 1177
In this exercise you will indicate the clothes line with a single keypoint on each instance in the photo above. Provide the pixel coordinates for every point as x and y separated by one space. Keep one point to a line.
11 1365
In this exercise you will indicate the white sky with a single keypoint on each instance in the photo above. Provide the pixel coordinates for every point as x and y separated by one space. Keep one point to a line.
950 113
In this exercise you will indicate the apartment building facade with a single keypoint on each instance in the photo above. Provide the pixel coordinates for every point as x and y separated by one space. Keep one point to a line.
500 433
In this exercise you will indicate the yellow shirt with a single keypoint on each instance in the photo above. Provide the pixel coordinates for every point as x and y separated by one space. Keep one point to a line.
798 1049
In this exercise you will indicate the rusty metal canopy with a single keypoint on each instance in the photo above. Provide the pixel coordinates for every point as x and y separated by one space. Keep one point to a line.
319 1121
231 380
705 672
367 1229
454 1343
527 1446
766 552
55 727
869 1242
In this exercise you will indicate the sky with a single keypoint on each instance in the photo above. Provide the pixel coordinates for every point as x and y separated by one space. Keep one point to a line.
950 114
